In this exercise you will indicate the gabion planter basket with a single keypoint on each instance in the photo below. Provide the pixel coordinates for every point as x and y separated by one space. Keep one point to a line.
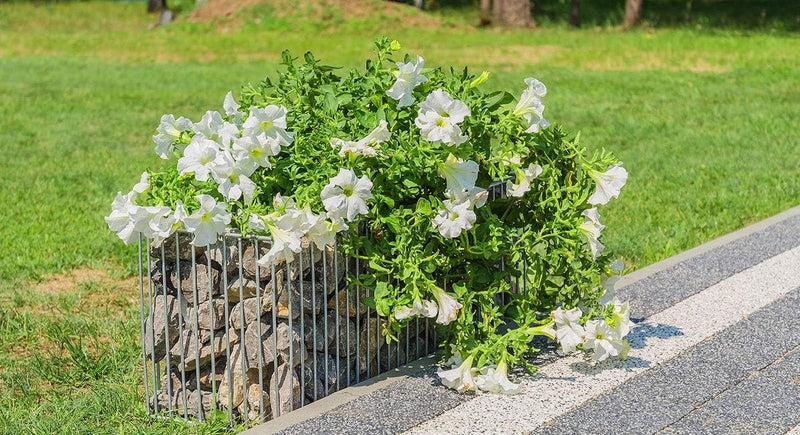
220 332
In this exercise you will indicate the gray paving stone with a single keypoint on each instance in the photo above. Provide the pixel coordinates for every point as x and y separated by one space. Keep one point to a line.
767 402
672 285
400 406
664 394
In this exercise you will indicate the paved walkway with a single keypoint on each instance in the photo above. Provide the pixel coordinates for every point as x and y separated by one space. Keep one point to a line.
716 349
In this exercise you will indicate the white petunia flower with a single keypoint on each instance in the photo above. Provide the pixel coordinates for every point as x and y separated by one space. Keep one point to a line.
345 196
198 158
169 130
459 378
367 146
609 183
455 359
409 75
208 222
524 178
609 294
212 127
232 179
143 184
419 307
621 318
250 153
448 306
143 219
603 340
266 123
530 106
321 231
495 380
231 107
438 118
476 196
591 228
164 225
569 332
120 221
460 175
454 218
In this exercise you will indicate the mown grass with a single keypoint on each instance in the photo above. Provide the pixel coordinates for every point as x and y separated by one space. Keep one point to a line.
703 121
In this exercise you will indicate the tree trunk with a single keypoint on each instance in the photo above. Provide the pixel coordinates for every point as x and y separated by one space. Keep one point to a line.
575 14
633 12
513 13
486 12
156 5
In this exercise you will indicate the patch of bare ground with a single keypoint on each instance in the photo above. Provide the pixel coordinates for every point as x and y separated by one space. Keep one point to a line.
95 288
320 10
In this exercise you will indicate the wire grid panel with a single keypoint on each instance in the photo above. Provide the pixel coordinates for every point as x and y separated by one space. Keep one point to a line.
220 332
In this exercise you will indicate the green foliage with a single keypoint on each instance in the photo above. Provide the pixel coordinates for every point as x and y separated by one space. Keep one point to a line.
407 259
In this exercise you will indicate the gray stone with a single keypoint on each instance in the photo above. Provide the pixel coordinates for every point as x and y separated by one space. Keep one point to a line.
313 297
209 313
316 338
227 257
192 398
332 270
238 287
190 347
369 341
257 403
345 342
288 386
184 251
249 262
348 302
162 323
326 382
235 378
201 272
266 345
253 310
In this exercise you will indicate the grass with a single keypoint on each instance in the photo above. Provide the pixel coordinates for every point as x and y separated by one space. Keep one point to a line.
704 122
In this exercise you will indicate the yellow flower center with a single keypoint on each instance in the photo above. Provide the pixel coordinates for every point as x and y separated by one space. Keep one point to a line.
266 125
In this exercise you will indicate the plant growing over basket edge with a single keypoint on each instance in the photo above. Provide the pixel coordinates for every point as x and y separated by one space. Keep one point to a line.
409 152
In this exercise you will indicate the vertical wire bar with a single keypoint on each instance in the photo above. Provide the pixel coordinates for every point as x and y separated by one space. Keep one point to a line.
242 356
180 327
211 314
369 372
143 324
168 370
289 296
397 348
347 322
228 361
338 313
407 338
151 298
275 339
197 336
416 341
302 334
325 316
260 336
358 326
314 318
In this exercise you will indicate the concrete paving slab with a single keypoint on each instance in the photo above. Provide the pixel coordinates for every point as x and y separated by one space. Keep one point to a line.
767 402
686 384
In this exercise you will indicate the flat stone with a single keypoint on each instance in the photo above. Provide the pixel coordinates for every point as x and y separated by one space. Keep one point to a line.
162 324
184 251
370 340
253 309
348 302
345 342
313 297
203 284
210 314
288 386
190 347
227 258
241 286
316 337
234 379
266 345
257 403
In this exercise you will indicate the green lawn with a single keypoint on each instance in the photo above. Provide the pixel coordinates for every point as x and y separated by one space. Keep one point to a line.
705 123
